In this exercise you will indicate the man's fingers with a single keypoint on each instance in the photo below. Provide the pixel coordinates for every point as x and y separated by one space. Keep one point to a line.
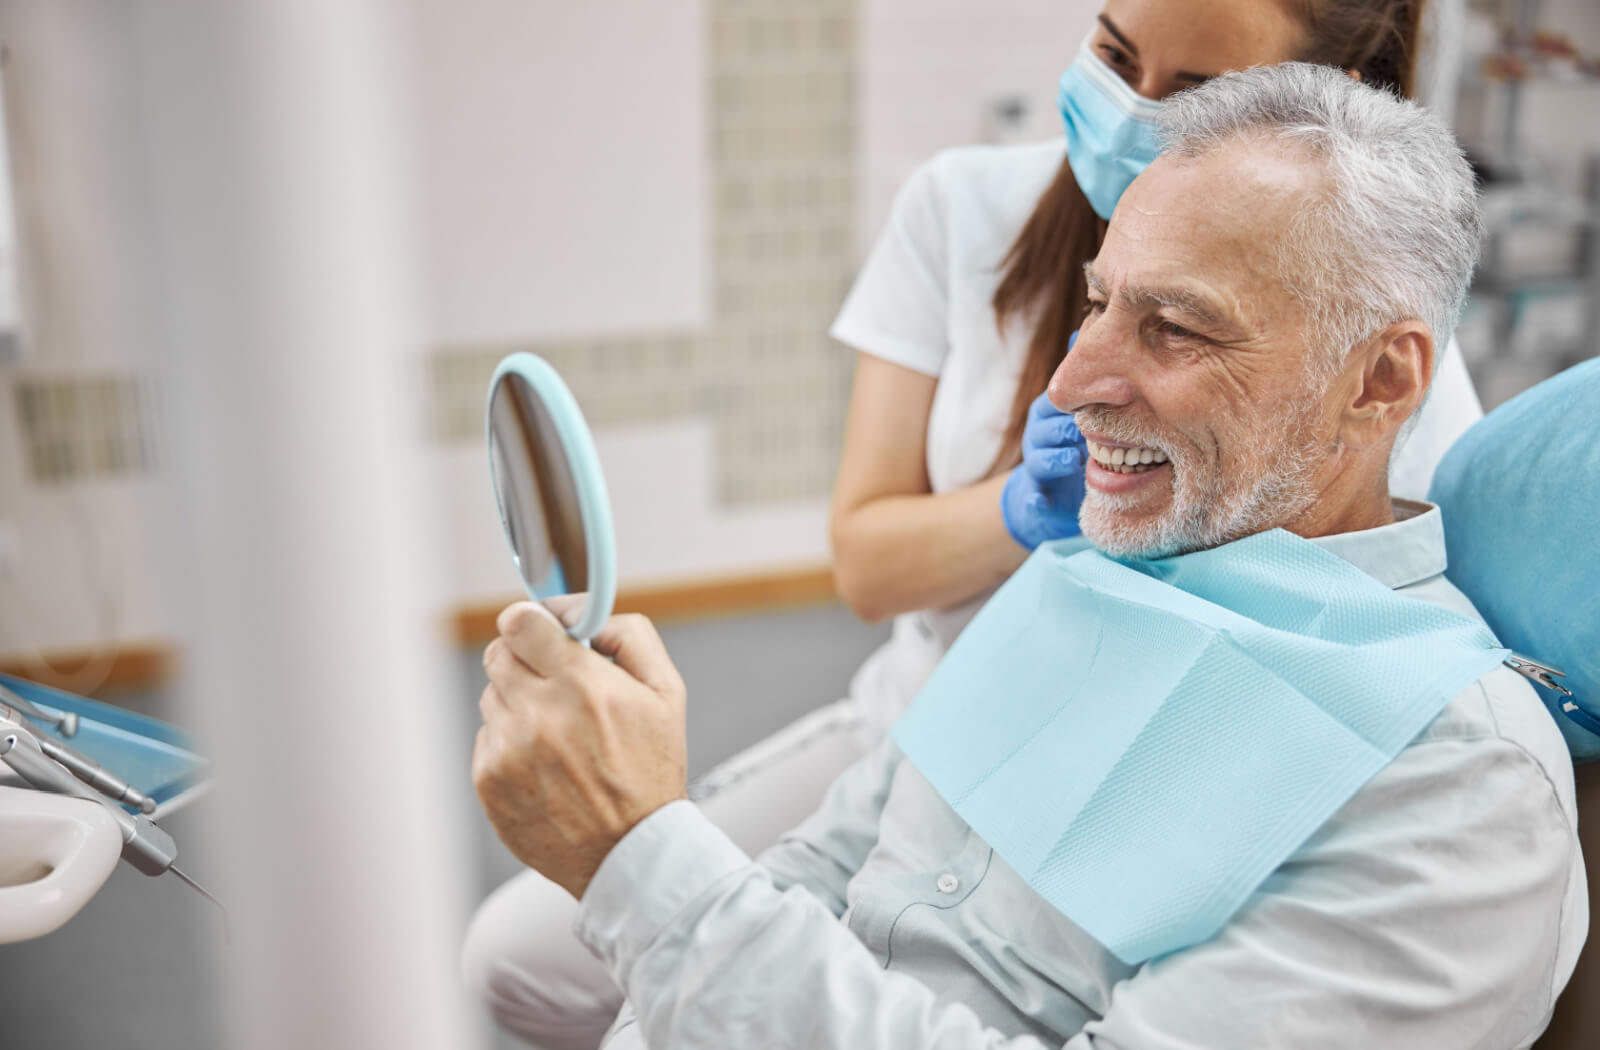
536 637
486 758
482 745
568 608
491 704
632 642
508 676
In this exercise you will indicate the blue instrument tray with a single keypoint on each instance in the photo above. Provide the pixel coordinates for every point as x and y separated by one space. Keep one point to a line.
151 755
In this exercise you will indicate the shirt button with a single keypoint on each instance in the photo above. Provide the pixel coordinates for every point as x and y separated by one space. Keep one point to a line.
948 883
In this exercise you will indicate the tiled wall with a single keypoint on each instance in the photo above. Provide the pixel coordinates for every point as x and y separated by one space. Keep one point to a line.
85 427
783 151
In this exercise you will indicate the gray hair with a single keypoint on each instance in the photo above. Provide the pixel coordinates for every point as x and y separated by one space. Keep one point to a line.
1396 235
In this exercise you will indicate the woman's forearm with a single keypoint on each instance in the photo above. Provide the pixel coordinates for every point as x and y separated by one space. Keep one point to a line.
899 553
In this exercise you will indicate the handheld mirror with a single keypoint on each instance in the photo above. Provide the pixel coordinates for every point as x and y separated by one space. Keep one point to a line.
550 493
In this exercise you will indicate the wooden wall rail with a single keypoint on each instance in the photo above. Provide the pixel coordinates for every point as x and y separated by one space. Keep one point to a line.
90 672
149 665
684 600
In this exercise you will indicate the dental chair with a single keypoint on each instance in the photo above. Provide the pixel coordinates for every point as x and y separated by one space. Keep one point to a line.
1520 494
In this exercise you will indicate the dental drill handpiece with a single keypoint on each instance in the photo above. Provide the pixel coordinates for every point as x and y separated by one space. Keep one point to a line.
97 776
144 845
67 723
80 765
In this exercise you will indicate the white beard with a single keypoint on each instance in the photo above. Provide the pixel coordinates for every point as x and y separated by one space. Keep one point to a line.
1203 513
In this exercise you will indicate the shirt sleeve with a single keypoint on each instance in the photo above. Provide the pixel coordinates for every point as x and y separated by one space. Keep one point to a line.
1426 913
624 1031
712 954
898 308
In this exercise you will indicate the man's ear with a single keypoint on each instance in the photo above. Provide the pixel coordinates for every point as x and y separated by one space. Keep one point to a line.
1396 366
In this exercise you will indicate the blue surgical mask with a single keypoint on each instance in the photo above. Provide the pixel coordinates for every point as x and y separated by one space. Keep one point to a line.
1111 129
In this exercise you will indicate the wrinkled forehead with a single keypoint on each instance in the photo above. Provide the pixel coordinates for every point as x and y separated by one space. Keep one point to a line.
1223 214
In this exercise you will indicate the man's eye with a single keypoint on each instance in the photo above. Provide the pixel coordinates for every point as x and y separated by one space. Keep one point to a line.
1176 331
1096 308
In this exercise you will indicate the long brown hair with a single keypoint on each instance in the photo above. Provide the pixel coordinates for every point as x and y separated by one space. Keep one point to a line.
1042 275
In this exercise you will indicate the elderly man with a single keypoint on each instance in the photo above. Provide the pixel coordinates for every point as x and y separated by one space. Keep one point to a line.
1262 320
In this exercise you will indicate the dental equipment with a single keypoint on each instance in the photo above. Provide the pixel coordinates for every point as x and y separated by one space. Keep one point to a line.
79 765
144 844
66 722
97 776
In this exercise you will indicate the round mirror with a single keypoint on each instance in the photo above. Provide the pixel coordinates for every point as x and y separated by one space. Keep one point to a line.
551 494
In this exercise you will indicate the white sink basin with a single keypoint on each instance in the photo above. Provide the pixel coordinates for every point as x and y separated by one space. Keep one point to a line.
55 853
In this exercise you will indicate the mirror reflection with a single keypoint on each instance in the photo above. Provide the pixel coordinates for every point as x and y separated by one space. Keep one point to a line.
536 492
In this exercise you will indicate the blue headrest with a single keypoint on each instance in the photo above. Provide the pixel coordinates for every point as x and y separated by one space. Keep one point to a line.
1520 496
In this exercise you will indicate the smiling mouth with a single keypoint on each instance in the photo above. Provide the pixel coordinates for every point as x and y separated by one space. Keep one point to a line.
1125 460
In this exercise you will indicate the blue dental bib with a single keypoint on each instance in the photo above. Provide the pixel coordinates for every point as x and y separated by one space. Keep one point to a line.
1146 742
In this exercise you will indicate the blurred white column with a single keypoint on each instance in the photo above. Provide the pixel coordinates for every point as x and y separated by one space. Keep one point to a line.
282 273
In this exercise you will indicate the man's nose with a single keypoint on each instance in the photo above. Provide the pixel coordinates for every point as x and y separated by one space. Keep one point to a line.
1098 368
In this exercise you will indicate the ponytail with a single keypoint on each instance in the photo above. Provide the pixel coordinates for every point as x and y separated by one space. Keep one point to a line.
1376 38
1043 282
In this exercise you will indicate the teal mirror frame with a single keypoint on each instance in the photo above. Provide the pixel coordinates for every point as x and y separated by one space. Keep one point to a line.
594 505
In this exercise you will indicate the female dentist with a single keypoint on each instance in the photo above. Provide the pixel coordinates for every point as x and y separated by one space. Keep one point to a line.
960 315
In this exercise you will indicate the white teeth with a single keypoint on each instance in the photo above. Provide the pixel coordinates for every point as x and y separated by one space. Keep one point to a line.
1125 460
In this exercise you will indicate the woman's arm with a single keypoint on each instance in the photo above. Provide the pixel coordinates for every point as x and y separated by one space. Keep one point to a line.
896 545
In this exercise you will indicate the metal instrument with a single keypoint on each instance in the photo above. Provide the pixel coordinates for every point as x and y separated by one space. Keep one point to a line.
50 766
1546 675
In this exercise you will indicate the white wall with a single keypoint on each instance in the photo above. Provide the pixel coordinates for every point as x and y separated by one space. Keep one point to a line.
564 144
537 120
669 527
76 562
930 69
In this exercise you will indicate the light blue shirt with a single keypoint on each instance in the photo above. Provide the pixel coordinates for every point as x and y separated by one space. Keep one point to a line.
1443 906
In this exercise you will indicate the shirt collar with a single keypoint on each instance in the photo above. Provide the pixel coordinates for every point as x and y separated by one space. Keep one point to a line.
1397 555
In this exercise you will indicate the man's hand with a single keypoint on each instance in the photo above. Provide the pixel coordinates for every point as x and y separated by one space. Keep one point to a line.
576 749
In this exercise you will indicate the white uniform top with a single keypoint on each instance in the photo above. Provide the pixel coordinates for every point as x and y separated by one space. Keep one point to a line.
923 300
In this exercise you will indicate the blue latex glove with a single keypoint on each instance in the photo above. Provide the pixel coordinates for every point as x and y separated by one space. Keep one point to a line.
1043 493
